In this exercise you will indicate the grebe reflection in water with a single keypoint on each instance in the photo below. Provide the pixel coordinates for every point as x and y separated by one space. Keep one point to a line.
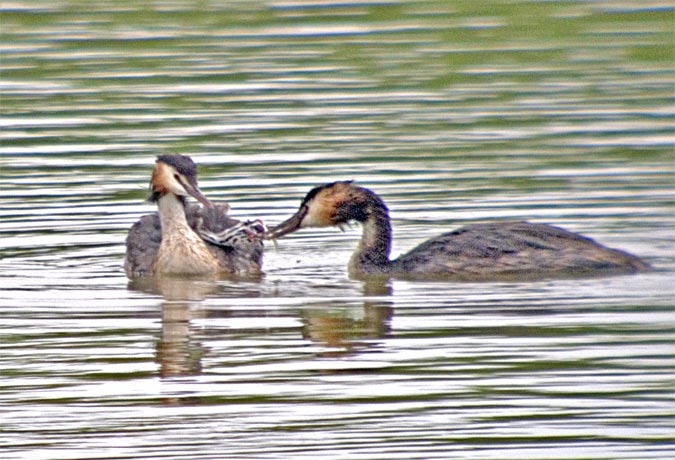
491 251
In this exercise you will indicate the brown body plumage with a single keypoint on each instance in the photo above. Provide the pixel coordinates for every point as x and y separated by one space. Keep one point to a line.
189 240
502 250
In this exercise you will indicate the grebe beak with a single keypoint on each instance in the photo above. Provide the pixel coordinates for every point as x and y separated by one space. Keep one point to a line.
290 225
192 188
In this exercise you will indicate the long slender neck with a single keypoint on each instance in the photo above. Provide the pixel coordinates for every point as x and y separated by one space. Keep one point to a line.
372 254
182 251
172 215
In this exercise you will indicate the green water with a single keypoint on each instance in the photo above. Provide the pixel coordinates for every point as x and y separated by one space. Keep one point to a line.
453 111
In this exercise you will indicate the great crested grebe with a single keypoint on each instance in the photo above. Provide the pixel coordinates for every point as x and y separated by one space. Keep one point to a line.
503 250
183 239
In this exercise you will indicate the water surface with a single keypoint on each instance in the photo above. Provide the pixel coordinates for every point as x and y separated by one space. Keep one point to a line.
454 112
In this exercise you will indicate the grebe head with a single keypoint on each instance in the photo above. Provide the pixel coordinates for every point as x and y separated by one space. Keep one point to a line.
327 205
176 174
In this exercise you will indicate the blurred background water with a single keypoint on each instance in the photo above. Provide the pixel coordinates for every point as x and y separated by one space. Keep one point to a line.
454 112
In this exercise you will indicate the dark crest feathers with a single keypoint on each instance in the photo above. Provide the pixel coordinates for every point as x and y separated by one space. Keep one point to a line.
181 163
315 191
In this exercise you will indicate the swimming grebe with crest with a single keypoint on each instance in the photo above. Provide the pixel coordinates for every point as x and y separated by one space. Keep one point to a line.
189 240
489 251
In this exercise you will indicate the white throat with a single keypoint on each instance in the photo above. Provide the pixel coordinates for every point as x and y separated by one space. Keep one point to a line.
172 215
182 251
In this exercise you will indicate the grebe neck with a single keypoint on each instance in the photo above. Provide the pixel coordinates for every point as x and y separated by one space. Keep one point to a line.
172 215
372 254
182 251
